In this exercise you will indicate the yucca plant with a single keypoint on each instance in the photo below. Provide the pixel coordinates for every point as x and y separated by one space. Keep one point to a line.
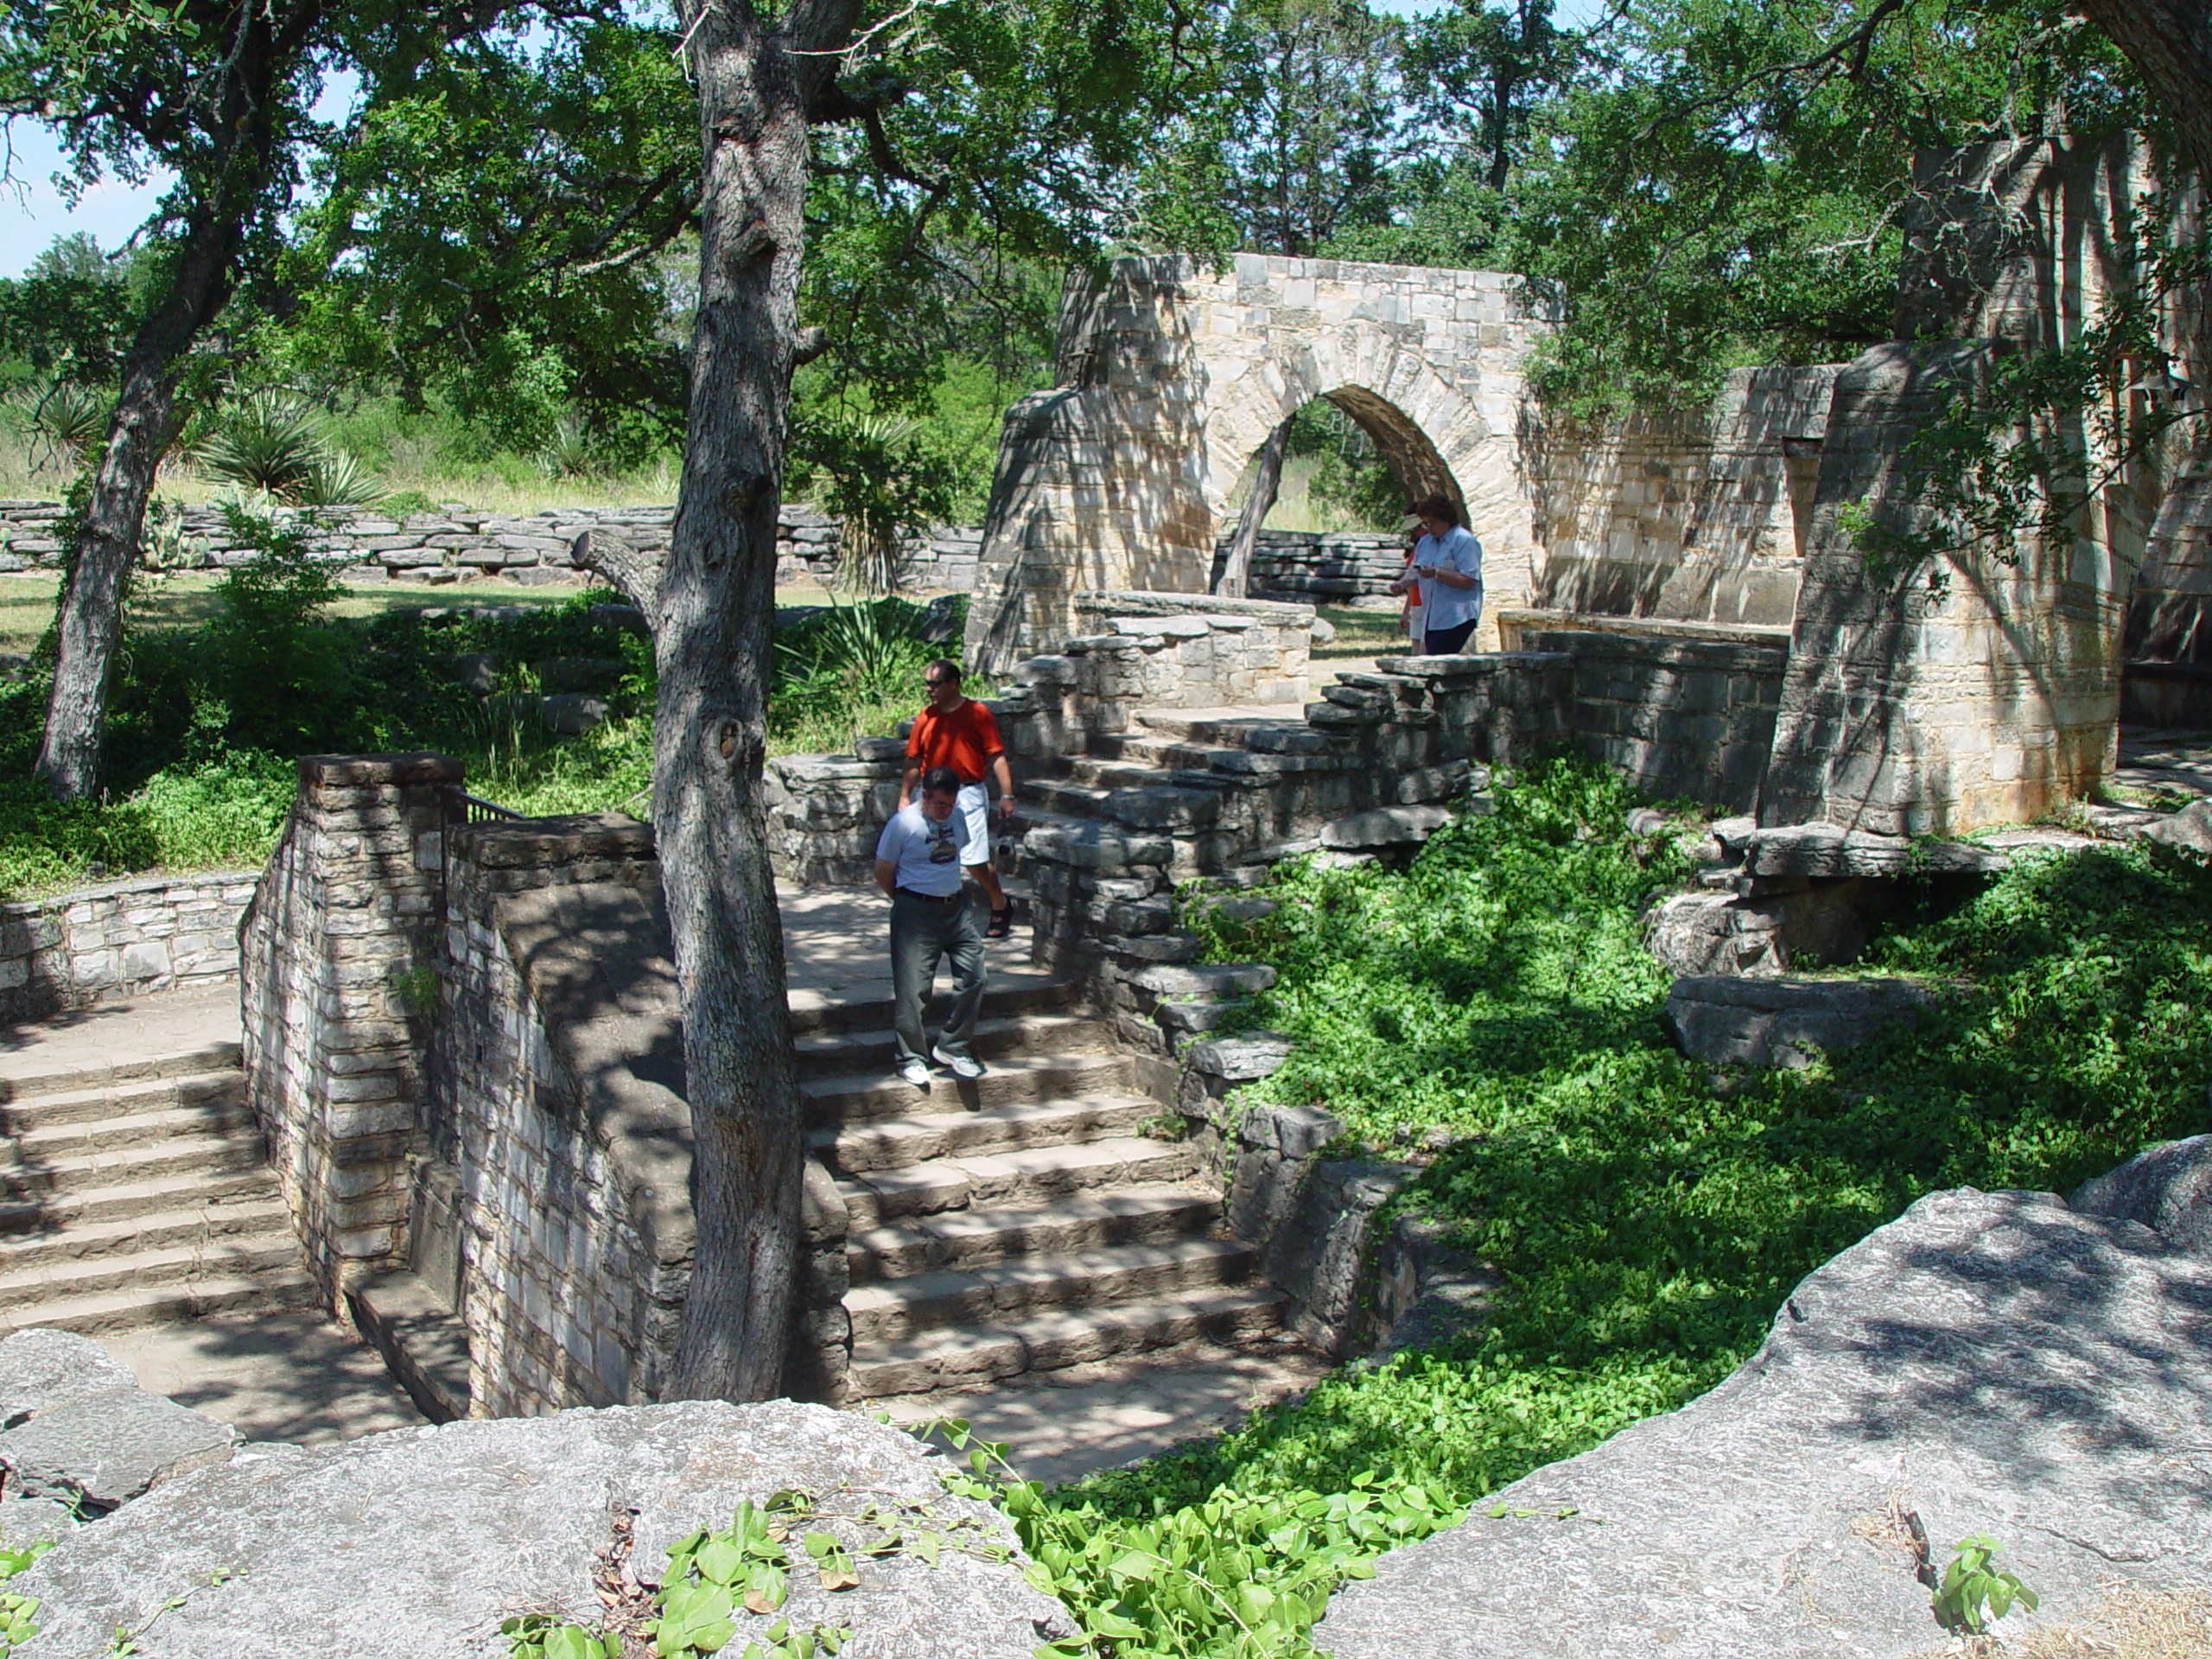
63 418
566 453
266 441
337 480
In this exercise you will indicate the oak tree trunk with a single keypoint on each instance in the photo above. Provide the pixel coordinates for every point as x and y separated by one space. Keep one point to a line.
711 649
1237 573
91 614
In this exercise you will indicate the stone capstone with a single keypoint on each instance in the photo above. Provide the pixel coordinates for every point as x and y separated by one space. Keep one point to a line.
1729 1020
103 1449
1385 826
1988 1363
416 1543
41 1368
2168 1188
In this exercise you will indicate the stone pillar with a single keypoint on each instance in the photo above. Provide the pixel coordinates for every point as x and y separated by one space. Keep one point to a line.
335 992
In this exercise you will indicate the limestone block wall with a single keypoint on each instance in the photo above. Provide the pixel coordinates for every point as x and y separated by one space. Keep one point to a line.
557 1123
1367 766
1907 713
1679 717
120 938
1170 377
1696 517
335 949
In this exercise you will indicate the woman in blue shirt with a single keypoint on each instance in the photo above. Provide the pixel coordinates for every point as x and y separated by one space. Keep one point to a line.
1448 568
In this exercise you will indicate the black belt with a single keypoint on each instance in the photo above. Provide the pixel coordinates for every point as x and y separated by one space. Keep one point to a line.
931 898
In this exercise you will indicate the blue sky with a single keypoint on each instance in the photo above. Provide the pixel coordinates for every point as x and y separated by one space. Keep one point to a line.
33 212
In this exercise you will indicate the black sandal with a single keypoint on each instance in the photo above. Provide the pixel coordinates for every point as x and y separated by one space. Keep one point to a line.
1001 924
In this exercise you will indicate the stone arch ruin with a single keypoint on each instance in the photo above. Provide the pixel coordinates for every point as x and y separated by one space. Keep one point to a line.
1895 712
1170 377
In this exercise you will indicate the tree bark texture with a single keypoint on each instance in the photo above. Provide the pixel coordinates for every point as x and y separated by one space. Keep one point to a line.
1236 574
91 615
242 124
2169 44
711 647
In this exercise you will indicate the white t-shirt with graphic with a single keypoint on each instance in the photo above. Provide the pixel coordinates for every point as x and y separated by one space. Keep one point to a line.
926 853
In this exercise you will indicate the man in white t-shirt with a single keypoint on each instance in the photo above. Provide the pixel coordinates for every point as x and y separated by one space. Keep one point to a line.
1447 569
918 862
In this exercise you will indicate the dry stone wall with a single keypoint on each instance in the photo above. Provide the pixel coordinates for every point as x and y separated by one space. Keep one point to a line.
457 542
120 938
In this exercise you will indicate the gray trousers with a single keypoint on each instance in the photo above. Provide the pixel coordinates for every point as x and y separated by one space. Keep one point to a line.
922 932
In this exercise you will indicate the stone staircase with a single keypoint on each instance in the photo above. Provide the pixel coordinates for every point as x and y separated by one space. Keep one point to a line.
139 1192
1021 1222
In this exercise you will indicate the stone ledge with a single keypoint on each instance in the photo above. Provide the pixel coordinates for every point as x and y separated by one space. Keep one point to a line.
535 843
419 767
423 1343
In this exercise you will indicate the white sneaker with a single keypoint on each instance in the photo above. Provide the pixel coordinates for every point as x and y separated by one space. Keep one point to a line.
962 1067
916 1073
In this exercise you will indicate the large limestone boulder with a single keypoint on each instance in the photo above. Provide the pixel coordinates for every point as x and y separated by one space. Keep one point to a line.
1988 1363
415 1544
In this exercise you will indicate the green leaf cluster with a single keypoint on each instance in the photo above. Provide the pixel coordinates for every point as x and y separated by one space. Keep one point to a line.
1975 1593
18 1613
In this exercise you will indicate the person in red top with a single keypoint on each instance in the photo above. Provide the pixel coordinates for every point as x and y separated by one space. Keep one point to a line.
955 731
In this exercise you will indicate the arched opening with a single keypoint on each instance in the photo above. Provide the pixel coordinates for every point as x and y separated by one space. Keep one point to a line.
1338 470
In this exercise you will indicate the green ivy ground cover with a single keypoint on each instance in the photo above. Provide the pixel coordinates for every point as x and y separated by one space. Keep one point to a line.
1645 1217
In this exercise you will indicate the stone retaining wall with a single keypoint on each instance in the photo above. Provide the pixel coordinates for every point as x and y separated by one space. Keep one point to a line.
333 952
457 542
1681 717
121 938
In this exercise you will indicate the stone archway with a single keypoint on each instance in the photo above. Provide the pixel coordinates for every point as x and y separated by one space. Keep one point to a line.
1170 378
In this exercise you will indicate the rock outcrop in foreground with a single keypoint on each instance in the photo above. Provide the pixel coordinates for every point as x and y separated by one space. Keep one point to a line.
1993 1363
416 1543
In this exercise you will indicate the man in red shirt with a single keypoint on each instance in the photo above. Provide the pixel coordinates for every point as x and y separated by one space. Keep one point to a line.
954 731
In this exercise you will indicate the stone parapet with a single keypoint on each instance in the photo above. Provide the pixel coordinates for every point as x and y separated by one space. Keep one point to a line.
336 991
120 938
559 1137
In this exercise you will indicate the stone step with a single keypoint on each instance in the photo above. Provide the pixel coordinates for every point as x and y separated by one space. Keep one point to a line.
180 1062
953 1355
869 1014
1210 726
892 1309
126 1200
1066 797
144 1304
158 1229
828 1053
233 1256
213 1113
1110 775
1013 1178
901 1143
867 1096
51 1108
184 1154
964 1240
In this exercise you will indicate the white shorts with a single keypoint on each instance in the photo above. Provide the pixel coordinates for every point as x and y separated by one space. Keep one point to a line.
973 804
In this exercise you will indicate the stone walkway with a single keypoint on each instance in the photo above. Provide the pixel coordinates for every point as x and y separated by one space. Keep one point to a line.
2176 763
